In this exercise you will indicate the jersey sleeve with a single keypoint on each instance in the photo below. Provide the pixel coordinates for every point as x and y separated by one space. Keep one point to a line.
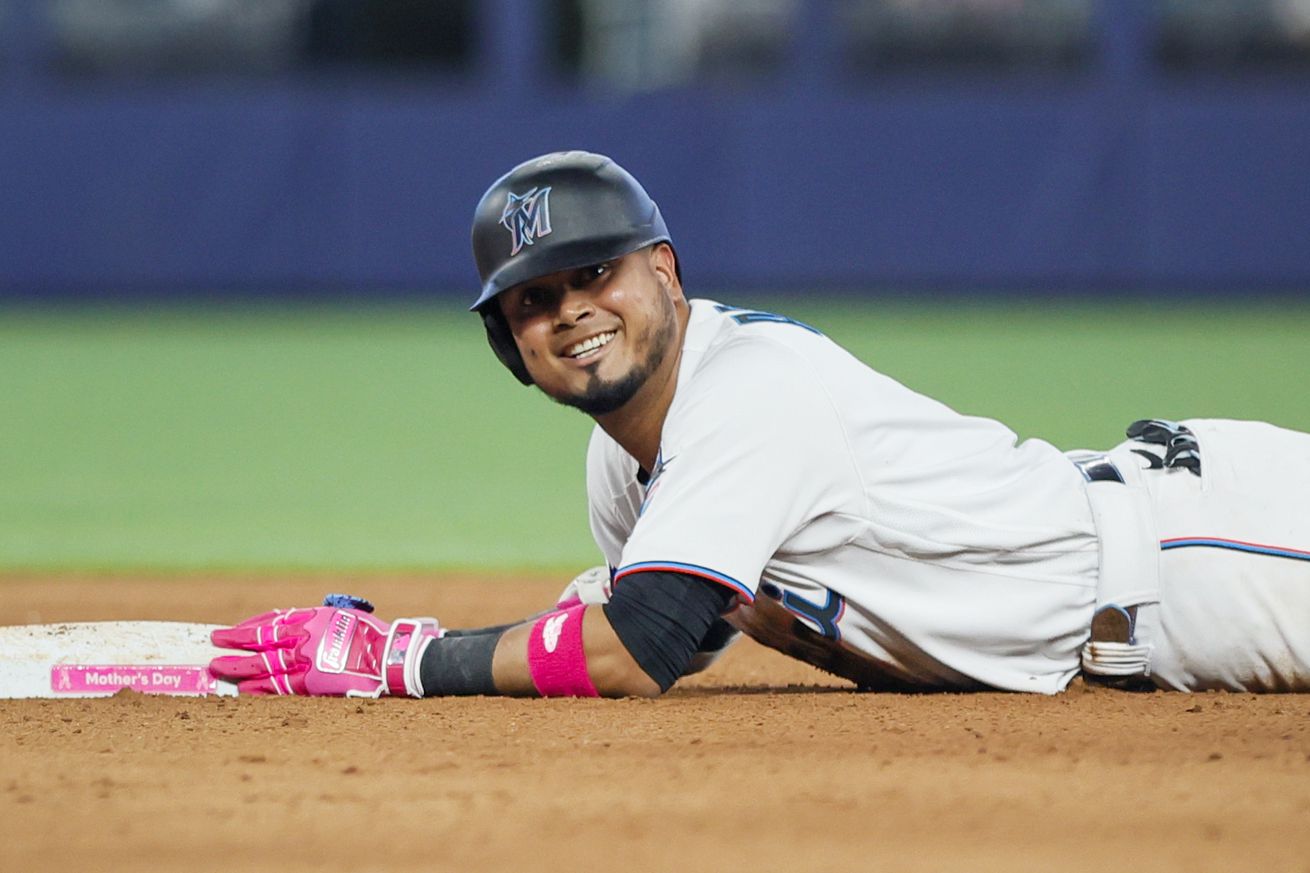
752 451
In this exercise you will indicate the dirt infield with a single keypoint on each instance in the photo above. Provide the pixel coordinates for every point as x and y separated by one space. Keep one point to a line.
762 764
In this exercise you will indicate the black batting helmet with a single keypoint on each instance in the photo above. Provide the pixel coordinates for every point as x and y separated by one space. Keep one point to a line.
555 212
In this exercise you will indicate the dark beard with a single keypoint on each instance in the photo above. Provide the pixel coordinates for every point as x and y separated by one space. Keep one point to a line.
601 397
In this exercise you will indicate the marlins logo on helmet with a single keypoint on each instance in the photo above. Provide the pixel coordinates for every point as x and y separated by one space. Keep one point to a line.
527 217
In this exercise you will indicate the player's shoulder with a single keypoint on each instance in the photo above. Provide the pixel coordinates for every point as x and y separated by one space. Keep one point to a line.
751 347
748 370
729 323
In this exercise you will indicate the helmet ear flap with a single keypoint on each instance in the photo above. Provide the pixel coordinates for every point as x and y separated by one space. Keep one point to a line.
502 342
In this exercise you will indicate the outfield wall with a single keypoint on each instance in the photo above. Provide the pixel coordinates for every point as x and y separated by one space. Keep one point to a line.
1112 176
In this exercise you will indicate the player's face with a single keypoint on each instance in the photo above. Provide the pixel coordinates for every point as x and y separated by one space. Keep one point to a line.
591 338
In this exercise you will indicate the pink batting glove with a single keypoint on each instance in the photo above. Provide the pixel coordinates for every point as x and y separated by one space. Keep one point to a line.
324 651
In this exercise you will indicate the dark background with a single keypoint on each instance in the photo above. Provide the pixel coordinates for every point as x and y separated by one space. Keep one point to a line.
162 148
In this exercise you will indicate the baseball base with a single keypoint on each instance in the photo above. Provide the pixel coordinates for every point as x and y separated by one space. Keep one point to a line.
98 659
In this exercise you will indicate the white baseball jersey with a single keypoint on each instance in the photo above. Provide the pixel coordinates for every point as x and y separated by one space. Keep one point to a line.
926 548
931 543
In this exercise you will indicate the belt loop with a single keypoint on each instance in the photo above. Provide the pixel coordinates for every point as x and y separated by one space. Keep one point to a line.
1098 469
1129 567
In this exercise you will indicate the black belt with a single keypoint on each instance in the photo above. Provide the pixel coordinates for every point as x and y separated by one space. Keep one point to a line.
1099 468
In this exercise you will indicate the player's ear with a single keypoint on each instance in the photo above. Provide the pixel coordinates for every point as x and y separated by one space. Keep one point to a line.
664 262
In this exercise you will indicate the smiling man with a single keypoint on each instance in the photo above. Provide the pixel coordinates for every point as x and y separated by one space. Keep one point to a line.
748 474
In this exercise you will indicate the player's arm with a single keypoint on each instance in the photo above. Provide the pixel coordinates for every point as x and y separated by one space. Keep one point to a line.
596 662
637 644
595 586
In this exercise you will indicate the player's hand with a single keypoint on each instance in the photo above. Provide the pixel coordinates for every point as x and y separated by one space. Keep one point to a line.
592 587
336 650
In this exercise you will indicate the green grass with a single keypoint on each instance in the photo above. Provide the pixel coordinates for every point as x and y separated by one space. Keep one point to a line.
387 437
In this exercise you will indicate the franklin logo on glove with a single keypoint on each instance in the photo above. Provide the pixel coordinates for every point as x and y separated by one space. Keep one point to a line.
332 653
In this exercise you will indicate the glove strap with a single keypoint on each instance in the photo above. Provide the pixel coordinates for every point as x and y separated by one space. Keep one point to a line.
404 649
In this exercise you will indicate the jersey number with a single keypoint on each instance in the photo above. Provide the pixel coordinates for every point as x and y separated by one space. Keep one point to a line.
754 316
824 617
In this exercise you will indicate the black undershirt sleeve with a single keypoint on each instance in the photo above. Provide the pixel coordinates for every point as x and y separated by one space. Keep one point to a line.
662 619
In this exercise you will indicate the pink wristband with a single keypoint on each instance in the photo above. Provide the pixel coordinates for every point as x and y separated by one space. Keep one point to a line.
556 661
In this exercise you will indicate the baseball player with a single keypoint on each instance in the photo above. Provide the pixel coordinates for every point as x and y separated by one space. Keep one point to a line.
748 474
